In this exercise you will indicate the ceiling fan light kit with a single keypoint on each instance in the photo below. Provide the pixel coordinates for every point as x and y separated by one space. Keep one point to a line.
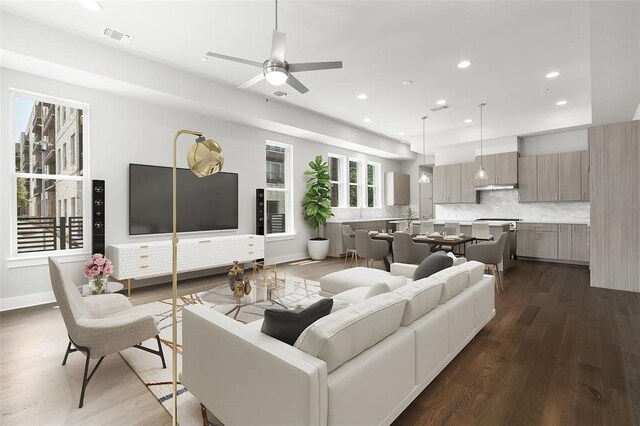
276 70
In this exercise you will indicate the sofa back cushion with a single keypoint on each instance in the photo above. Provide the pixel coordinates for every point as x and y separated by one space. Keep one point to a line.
454 280
475 270
344 334
432 264
422 296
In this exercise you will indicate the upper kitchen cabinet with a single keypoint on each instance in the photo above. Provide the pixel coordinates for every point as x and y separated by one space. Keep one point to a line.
468 192
454 183
548 177
502 169
396 189
440 184
528 179
554 177
569 177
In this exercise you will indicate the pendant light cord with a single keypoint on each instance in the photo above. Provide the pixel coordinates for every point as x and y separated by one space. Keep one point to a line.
424 144
276 15
481 105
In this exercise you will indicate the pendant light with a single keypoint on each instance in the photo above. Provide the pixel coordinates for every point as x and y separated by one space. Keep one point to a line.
424 176
482 173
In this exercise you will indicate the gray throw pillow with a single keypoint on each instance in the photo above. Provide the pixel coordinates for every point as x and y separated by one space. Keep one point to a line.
432 264
286 325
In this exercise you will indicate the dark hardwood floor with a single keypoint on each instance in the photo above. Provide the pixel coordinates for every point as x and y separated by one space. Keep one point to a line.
558 352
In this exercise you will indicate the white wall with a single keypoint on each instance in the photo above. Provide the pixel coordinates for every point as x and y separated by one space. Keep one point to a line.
125 130
553 143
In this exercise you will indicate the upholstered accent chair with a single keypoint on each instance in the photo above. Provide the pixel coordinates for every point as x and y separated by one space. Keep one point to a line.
370 249
349 244
100 325
405 250
489 253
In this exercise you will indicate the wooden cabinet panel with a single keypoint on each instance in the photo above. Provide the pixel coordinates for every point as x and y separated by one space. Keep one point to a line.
489 164
584 174
543 244
524 243
529 226
468 192
453 183
506 168
396 189
528 179
439 184
580 243
569 176
548 177
564 241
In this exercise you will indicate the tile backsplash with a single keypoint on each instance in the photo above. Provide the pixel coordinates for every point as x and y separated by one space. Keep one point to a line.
504 204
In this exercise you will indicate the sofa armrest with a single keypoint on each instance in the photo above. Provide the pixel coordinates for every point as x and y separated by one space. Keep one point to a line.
246 377
403 269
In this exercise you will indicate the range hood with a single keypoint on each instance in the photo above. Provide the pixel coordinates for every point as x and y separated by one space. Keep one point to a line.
495 187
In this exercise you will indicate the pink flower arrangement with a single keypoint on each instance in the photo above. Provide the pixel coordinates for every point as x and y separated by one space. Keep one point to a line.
98 265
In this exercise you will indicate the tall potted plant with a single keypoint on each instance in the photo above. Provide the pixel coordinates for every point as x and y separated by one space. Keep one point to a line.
316 206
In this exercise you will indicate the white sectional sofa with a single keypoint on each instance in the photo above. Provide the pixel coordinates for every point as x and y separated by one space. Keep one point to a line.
361 365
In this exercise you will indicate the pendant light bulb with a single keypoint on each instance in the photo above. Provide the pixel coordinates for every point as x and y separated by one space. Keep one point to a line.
424 176
482 173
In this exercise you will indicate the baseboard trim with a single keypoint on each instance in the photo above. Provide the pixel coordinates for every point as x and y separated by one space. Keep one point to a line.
287 258
11 303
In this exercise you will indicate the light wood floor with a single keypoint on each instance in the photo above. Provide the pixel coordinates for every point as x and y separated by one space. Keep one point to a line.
557 352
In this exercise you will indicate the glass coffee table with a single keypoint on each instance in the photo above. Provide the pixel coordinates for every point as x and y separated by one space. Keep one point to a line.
283 291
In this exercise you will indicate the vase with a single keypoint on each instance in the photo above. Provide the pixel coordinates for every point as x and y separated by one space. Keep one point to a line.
236 272
99 284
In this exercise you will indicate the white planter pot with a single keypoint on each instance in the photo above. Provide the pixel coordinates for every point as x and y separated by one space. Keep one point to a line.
318 249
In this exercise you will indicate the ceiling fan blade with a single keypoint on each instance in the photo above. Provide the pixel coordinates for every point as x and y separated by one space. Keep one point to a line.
277 46
313 66
295 83
258 78
234 59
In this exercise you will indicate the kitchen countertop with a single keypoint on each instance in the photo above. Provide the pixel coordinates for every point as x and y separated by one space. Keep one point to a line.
371 219
563 222
469 222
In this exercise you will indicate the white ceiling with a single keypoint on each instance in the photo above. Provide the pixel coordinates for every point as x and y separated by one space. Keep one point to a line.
512 45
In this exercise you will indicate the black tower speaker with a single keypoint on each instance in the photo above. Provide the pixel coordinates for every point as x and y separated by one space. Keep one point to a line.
97 222
260 204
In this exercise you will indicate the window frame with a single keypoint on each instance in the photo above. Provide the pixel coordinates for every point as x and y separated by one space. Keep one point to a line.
15 259
288 190
359 184
342 182
377 185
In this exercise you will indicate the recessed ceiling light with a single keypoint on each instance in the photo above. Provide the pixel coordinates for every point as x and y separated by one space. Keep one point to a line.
441 102
204 58
92 5
362 96
367 120
400 133
562 102
552 74
464 64
468 120
407 82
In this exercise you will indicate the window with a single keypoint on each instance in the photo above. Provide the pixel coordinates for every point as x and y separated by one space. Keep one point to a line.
279 192
49 185
336 176
373 184
355 182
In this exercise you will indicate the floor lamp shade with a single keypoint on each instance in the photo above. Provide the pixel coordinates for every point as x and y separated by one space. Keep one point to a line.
205 157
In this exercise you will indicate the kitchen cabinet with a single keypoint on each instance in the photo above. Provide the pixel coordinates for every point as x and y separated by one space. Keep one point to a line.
502 169
569 176
528 179
396 189
537 244
554 241
584 174
564 241
454 183
548 177
580 243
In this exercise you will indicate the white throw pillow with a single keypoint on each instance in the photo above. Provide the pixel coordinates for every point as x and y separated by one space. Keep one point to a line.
422 296
358 294
342 335
456 260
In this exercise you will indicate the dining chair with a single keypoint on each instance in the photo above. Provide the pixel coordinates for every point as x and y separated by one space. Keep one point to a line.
405 250
349 244
100 325
480 231
489 253
402 226
451 228
370 249
426 227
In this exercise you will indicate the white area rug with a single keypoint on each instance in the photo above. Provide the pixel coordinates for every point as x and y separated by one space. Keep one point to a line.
159 381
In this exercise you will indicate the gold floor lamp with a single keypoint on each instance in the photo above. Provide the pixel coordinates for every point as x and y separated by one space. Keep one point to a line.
205 158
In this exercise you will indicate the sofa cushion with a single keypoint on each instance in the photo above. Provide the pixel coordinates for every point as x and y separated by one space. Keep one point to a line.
286 325
422 296
357 295
475 270
456 260
432 264
344 334
340 281
454 280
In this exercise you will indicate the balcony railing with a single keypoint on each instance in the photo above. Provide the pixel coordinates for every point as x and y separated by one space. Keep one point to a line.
276 223
46 233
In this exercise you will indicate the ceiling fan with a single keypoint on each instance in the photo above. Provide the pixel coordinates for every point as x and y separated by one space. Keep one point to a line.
276 69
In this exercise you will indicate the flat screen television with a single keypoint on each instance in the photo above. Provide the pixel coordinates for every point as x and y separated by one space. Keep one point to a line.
204 204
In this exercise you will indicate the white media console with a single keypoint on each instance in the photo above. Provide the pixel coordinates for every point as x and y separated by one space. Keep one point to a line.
152 259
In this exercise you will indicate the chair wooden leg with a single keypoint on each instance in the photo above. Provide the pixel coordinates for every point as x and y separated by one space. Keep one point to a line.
499 278
496 277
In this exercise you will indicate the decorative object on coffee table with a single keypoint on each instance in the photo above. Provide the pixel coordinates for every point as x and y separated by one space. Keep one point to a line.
205 158
98 269
235 273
